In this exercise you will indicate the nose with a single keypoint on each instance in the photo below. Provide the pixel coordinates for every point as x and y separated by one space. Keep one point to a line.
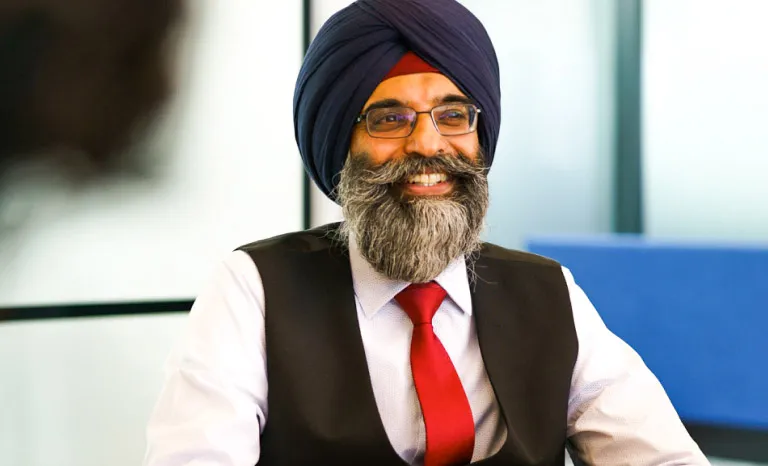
425 139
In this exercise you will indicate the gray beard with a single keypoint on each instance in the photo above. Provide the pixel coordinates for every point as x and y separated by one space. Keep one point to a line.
408 238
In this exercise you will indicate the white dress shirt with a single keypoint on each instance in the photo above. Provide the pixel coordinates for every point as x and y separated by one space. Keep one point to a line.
213 405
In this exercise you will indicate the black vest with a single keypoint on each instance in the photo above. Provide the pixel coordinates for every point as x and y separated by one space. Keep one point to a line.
321 405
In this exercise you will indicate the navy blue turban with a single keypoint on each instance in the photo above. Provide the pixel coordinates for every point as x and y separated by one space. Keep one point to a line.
354 51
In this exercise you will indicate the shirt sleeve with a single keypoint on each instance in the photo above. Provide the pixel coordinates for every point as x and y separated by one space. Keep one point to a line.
213 404
618 412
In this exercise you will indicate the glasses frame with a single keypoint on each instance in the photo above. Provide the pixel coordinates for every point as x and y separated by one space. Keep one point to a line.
364 118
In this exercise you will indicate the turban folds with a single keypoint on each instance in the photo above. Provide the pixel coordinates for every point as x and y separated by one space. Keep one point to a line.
358 46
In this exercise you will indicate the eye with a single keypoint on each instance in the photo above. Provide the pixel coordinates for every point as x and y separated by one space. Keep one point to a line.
453 116
389 118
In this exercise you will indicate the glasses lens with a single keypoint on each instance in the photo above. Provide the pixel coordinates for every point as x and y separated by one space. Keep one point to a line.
455 119
390 122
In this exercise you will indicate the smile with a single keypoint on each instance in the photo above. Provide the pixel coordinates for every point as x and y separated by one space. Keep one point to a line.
424 179
427 184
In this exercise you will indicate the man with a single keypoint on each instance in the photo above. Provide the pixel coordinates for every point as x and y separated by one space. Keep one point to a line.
398 336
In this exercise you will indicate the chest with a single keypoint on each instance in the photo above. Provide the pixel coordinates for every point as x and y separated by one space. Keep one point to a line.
321 363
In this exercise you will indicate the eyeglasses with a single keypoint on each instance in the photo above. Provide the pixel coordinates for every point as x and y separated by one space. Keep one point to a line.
399 122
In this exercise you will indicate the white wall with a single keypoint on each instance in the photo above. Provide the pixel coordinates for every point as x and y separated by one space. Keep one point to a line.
553 166
233 175
79 392
706 119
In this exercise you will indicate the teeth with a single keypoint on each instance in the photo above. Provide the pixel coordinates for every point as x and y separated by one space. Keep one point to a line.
427 180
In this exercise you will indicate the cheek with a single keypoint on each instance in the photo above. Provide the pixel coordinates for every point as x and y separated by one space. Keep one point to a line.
379 150
357 144
468 145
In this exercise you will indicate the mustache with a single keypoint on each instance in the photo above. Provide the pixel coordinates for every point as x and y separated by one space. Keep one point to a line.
458 166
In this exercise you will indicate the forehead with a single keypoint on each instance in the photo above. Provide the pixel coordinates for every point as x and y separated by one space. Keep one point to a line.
415 89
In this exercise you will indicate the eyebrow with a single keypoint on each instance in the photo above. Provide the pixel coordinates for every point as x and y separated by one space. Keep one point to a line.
443 99
451 99
385 103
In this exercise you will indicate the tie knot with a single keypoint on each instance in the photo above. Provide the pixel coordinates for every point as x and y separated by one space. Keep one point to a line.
420 301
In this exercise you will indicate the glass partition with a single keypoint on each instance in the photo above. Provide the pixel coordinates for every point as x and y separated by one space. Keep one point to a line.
79 392
705 112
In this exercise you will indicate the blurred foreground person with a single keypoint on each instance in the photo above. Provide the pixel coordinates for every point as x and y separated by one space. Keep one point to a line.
79 79
398 336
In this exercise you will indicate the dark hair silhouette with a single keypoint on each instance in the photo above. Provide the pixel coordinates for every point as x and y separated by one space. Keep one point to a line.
81 74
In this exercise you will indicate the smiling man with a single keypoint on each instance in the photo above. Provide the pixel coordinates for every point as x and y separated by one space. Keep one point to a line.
413 189
398 336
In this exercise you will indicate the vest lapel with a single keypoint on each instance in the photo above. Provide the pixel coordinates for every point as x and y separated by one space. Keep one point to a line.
493 328
515 314
319 382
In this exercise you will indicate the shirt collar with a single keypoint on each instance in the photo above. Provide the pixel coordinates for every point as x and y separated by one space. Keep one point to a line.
374 290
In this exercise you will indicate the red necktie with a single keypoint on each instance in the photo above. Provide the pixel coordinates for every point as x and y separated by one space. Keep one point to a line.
447 414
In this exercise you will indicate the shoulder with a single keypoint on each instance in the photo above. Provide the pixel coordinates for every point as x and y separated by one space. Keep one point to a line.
323 237
494 253
517 268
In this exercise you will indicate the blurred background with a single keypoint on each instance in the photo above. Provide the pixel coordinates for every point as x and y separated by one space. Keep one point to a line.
141 141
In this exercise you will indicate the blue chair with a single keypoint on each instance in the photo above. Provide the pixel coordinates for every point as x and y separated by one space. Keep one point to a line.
696 313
